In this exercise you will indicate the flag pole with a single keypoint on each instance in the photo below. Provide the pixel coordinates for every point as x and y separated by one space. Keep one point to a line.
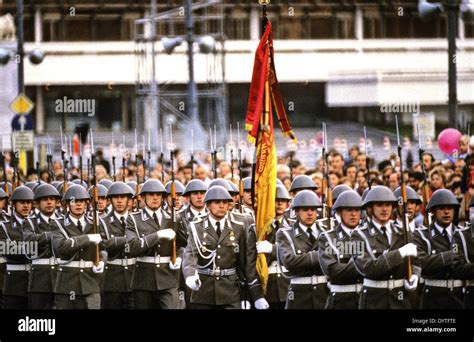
264 4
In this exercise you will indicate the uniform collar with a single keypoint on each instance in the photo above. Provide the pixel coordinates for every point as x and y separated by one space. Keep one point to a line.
75 220
347 230
440 229
47 218
197 213
151 212
214 221
118 216
313 229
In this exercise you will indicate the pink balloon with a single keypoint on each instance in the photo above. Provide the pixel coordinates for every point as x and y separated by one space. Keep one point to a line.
448 140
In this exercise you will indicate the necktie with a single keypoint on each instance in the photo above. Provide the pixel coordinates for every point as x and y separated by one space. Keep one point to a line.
277 225
79 224
446 236
218 229
122 222
155 217
312 239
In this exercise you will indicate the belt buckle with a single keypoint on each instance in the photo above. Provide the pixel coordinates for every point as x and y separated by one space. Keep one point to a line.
157 259
391 284
216 272
450 284
314 280
82 264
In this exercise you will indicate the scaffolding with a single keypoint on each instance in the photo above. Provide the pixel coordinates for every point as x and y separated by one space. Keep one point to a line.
156 101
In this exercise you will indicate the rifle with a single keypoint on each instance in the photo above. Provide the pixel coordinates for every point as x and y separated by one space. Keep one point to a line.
324 160
64 159
406 235
49 160
149 156
138 175
192 154
214 152
467 194
113 158
241 183
173 206
291 166
95 198
425 190
328 186
162 157
367 161
123 158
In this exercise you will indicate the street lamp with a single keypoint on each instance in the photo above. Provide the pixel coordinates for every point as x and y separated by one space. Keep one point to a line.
427 11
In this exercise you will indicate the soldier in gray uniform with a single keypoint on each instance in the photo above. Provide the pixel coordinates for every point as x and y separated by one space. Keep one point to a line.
300 183
195 190
336 252
116 288
438 259
102 201
3 217
463 243
298 252
150 234
214 259
15 286
179 199
382 263
277 284
36 229
247 198
76 246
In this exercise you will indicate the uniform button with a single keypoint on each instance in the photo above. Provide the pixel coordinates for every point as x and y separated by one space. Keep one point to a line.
106 267
278 275
52 267
218 257
159 245
333 294
314 287
217 278
60 269
391 277
126 267
9 273
158 265
82 271
218 246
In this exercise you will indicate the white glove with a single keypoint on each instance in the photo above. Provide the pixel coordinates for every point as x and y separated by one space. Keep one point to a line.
167 234
99 268
193 282
94 238
177 265
245 305
411 285
264 247
408 250
261 304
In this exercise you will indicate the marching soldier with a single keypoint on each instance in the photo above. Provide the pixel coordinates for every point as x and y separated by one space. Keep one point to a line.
75 245
277 285
102 202
15 286
338 189
179 199
298 252
195 191
36 229
413 202
463 242
438 259
335 254
150 233
301 182
4 216
382 262
116 289
247 198
214 259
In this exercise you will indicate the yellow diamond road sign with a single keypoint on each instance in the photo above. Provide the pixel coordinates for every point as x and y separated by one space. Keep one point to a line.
21 104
